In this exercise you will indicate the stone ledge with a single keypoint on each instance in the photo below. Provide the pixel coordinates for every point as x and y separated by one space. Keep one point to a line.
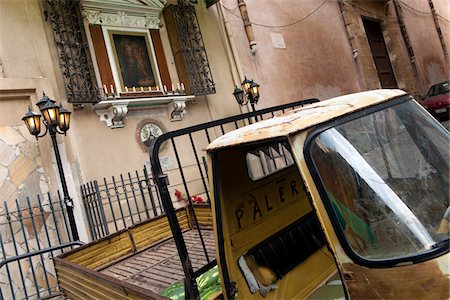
113 110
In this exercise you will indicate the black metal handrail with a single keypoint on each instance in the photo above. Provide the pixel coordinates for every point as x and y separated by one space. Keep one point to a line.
162 181
38 252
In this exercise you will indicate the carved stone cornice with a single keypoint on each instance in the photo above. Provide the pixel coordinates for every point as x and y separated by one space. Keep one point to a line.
124 13
121 19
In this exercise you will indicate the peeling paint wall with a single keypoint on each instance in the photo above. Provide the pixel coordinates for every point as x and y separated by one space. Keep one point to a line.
430 59
316 61
327 52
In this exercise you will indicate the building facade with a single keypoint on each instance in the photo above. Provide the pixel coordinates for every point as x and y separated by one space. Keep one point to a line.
135 77
130 70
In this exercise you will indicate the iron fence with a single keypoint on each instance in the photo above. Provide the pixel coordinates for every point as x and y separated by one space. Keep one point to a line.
190 175
120 202
32 232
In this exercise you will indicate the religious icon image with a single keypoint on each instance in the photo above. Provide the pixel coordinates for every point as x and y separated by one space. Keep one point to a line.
134 60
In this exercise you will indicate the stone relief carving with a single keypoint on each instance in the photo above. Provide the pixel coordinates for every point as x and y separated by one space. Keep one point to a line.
121 19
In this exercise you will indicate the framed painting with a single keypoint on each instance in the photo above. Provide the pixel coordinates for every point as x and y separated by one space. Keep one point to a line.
132 59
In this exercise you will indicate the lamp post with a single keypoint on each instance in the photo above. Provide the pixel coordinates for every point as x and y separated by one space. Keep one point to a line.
248 93
56 121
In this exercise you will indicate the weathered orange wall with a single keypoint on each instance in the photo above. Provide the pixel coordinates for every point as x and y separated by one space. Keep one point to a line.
317 61
424 39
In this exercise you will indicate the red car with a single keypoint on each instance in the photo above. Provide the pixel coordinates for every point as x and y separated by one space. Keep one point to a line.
437 100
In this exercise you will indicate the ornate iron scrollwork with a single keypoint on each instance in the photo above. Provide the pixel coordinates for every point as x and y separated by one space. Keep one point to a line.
193 49
74 57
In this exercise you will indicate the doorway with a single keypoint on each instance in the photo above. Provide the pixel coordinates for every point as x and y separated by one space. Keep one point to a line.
380 54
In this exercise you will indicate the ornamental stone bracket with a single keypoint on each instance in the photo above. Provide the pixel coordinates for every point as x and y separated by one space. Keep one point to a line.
112 111
113 115
178 110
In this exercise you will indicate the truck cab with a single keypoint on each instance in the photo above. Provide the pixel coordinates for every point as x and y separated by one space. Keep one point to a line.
342 198
346 197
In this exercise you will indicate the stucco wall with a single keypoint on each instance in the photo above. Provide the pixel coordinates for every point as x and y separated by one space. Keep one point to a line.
324 57
27 71
424 39
102 151
442 8
91 150
317 60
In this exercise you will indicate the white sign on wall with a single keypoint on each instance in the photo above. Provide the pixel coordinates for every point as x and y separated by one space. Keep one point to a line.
278 40
166 162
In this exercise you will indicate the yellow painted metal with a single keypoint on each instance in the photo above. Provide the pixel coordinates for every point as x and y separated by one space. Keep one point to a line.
252 211
304 117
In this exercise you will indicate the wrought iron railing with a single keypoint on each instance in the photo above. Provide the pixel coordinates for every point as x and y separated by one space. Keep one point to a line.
73 49
120 202
194 180
32 232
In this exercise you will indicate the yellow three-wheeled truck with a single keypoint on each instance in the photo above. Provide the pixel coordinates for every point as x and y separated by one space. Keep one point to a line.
347 197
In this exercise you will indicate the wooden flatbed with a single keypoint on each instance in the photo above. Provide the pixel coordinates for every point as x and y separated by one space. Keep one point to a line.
137 262
160 266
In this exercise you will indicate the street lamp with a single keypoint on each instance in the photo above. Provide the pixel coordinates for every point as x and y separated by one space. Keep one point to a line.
248 93
56 120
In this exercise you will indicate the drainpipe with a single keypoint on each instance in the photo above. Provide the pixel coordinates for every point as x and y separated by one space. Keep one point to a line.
236 71
230 47
247 25
409 48
438 29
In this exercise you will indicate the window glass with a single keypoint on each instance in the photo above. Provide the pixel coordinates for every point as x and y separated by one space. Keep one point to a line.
444 88
387 177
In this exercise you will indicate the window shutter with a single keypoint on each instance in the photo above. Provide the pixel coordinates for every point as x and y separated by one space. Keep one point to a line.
160 58
188 49
101 55
74 57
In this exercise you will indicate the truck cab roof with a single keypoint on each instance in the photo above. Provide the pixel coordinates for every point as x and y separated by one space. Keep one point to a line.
304 117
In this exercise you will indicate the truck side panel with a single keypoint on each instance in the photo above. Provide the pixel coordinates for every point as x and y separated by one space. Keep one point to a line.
79 273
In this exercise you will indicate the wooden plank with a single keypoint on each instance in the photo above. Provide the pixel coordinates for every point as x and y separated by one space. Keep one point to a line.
119 245
150 233
160 266
82 283
203 214
103 252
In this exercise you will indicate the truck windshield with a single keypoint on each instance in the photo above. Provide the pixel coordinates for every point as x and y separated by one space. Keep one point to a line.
386 176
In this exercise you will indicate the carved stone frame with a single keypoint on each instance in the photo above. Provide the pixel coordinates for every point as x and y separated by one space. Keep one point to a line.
139 127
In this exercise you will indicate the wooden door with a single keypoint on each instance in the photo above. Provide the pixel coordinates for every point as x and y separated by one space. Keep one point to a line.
380 54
